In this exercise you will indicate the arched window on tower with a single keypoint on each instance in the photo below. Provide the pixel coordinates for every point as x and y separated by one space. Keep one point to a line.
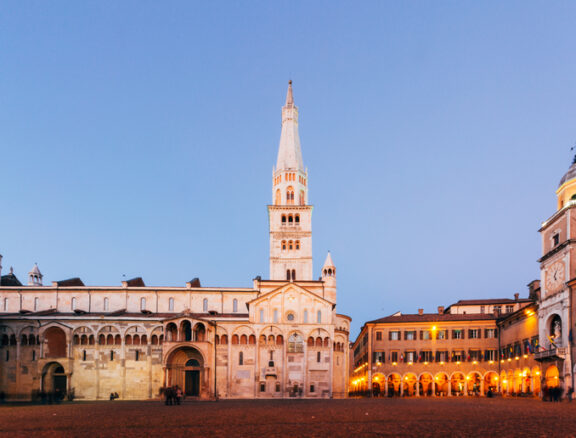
290 219
283 219
290 195
293 274
283 245
301 198
297 244
278 197
297 219
290 245
288 275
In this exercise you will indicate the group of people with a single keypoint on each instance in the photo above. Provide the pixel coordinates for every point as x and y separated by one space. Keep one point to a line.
554 394
173 395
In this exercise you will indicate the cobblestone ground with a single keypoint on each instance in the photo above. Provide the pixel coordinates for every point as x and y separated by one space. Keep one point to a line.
294 418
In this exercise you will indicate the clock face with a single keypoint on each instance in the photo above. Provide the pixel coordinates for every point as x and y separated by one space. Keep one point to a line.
555 277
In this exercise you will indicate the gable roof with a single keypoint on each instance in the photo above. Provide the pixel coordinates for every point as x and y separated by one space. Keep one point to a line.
279 290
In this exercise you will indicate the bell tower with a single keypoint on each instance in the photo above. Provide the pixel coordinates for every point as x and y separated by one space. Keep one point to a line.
290 215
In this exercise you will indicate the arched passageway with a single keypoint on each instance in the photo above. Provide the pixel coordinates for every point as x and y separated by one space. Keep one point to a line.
185 369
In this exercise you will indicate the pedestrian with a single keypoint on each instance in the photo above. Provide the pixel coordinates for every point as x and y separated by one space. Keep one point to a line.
178 394
569 393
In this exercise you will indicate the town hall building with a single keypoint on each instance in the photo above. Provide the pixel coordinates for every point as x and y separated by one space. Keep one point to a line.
279 338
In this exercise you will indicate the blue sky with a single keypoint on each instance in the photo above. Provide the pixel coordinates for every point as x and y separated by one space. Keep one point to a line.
138 139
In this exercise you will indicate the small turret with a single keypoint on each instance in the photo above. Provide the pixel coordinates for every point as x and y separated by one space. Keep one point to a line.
329 279
35 276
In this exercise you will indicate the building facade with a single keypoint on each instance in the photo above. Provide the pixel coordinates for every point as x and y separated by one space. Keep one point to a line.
279 338
469 348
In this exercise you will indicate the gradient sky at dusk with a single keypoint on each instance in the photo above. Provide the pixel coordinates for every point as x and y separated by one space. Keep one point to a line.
137 138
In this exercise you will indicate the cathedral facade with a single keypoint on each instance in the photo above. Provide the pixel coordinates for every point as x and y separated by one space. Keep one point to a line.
279 338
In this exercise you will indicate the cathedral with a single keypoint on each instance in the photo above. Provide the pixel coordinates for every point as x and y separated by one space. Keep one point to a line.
279 338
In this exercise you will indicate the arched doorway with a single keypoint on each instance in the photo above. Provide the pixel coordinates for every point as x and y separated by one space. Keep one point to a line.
185 369
491 382
441 380
409 385
473 382
394 381
378 385
54 380
457 384
552 374
425 384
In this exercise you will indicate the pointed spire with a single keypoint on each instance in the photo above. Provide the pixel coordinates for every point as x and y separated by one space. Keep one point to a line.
289 152
289 95
328 262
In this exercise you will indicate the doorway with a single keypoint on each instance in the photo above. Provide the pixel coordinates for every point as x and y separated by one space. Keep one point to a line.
192 383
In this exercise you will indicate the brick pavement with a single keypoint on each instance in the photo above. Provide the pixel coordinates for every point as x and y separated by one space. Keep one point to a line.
294 418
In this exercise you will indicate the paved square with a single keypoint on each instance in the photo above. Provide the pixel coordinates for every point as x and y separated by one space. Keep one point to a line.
294 418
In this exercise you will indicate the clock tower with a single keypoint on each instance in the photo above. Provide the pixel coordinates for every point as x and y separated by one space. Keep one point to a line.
290 215
557 268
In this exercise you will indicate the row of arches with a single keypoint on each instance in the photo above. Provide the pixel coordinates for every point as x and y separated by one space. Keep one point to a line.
318 342
290 245
427 384
185 332
291 219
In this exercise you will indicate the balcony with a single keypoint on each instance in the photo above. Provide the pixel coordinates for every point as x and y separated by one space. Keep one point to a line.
551 354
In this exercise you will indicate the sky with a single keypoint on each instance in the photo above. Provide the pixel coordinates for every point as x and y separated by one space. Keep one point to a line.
137 138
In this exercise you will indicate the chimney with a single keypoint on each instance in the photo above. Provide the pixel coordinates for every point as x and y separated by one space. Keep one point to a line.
516 296
440 310
420 312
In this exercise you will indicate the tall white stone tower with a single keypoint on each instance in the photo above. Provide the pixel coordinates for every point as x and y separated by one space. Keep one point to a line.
290 216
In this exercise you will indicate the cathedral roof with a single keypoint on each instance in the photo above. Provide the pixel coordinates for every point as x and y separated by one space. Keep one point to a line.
69 282
289 151
571 174
10 280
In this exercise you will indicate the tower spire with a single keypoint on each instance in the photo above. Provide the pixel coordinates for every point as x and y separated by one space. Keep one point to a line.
289 152
289 95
